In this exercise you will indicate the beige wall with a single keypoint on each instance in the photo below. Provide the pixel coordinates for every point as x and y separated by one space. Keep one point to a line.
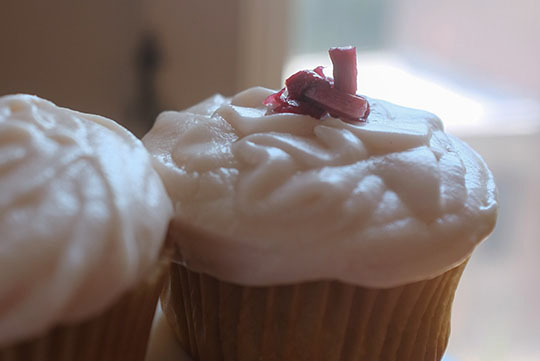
76 53
83 54
217 46
198 40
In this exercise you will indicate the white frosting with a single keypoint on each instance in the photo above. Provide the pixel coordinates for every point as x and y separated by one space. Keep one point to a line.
82 215
292 198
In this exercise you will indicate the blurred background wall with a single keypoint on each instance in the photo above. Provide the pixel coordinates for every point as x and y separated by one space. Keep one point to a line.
474 63
130 59
80 54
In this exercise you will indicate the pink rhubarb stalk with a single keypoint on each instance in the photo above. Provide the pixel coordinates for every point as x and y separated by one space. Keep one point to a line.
312 93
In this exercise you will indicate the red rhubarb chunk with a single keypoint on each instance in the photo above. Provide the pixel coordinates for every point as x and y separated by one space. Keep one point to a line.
319 71
311 92
339 104
345 72
299 107
279 103
298 83
274 99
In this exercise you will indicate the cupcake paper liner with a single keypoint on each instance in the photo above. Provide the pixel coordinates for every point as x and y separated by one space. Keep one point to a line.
322 320
120 333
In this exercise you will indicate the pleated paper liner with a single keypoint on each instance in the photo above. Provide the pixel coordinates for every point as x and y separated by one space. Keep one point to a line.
120 333
323 320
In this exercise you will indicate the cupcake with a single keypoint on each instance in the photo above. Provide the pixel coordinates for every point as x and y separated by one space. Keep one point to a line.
316 224
83 219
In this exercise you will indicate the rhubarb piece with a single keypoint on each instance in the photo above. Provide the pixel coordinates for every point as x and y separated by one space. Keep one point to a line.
299 107
313 93
319 71
345 71
339 104
279 103
275 99
298 83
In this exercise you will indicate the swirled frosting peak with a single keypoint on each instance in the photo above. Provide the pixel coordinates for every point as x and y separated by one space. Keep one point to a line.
82 215
281 198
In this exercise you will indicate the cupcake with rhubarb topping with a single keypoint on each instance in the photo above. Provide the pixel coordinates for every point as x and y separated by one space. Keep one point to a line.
83 219
314 223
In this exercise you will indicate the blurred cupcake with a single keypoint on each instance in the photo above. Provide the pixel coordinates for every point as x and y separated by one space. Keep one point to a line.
83 216
320 226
